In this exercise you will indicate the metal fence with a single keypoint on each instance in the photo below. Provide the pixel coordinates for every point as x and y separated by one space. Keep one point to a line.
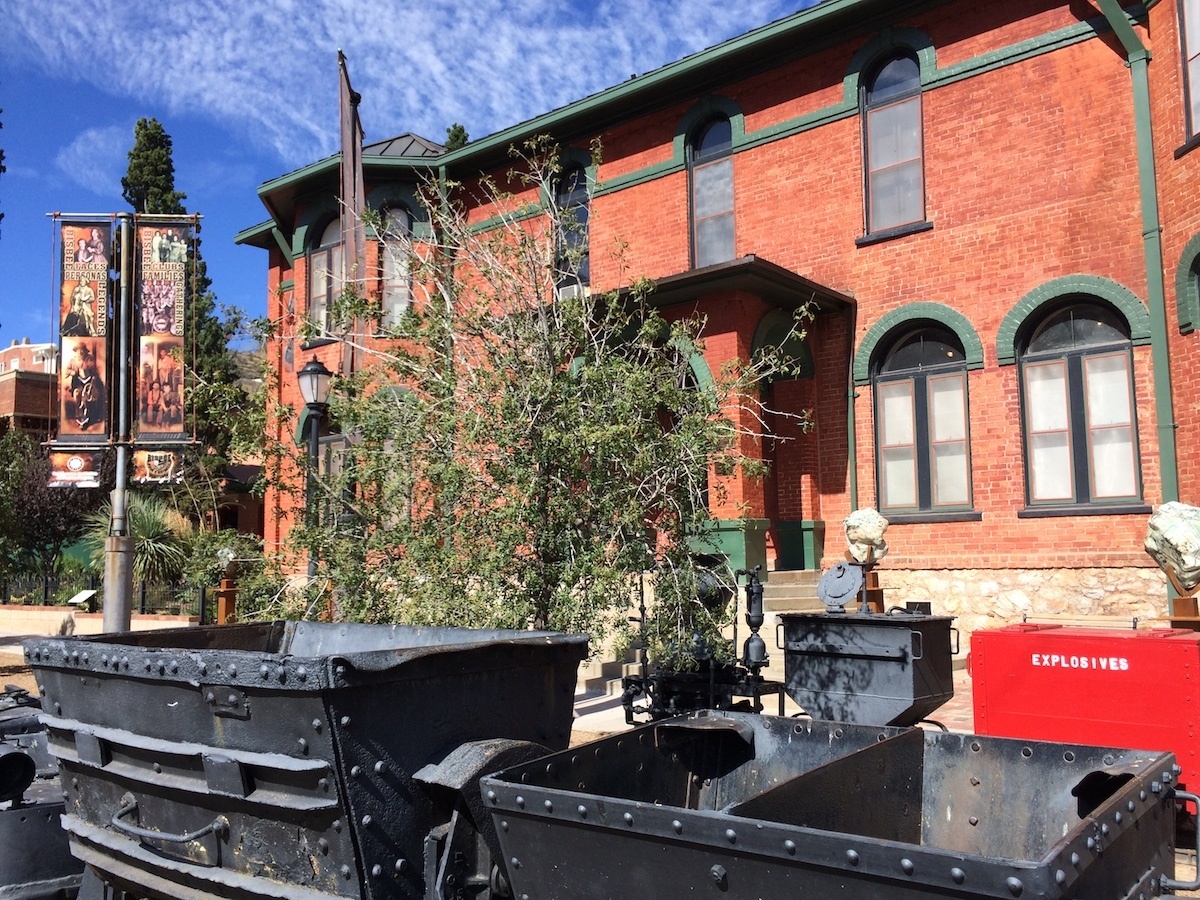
148 597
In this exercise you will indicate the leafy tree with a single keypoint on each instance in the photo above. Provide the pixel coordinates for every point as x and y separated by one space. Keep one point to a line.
49 518
15 449
213 392
523 451
456 137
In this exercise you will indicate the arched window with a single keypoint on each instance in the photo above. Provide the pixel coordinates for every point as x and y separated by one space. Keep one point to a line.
325 274
890 104
710 166
1078 407
571 200
395 254
923 455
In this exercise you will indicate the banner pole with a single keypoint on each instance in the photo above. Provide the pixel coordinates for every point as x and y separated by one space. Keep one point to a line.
118 548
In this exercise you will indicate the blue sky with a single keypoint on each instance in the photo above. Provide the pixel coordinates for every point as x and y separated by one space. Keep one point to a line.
248 92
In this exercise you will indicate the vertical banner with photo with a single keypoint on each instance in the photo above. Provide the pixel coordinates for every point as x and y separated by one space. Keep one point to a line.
163 250
83 331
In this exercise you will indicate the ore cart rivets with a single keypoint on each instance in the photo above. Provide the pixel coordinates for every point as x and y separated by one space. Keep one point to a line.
1014 886
549 806
677 825
400 866
316 725
628 817
345 871
379 767
1060 877
908 866
515 863
731 835
957 875
302 744
790 847
491 795
851 855
377 870
521 802
582 810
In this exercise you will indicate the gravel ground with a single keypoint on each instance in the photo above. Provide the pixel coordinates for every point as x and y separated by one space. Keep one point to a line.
14 671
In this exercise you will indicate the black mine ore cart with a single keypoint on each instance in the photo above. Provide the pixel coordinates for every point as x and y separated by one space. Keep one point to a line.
728 804
35 863
296 760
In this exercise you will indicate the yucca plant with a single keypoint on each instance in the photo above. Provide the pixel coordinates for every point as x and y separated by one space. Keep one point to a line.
160 538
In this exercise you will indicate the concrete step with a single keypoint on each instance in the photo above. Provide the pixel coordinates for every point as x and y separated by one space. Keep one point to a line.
603 676
792 590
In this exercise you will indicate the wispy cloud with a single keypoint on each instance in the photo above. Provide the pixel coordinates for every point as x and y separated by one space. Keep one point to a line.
97 158
269 68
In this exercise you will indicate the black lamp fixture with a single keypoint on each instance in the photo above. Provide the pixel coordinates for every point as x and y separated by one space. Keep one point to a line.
314 388
314 385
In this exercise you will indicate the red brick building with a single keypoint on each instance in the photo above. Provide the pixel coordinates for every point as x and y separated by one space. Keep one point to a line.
29 388
995 208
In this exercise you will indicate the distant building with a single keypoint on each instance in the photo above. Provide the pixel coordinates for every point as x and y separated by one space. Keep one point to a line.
28 388
993 206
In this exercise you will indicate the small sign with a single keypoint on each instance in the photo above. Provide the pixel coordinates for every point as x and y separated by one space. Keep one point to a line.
78 468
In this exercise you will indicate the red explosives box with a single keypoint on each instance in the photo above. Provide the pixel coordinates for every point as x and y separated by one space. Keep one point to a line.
1091 686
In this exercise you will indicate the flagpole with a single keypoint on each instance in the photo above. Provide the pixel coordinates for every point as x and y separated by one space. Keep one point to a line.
118 546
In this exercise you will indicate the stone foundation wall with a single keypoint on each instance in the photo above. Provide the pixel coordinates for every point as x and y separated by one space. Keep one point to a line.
990 598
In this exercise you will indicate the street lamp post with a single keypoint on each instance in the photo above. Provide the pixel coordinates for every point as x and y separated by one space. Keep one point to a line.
314 388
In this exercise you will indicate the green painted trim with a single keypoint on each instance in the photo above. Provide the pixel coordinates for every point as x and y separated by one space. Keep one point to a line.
1187 287
743 542
320 214
628 93
701 372
772 328
1124 300
284 244
404 195
708 107
801 544
301 434
886 42
297 176
1139 65
913 312
1019 52
931 77
254 232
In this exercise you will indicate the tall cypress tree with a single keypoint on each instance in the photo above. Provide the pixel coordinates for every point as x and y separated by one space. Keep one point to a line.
149 187
149 182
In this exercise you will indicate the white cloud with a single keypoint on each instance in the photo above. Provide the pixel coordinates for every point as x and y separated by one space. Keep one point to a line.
268 69
97 158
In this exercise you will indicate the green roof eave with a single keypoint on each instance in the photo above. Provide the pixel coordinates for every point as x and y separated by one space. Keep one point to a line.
687 77
260 235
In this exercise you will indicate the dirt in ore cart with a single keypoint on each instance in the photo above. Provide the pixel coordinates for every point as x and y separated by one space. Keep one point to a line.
13 670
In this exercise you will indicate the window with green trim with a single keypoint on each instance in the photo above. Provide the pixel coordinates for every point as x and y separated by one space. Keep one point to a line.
710 167
893 140
395 255
571 199
922 435
326 274
1077 396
